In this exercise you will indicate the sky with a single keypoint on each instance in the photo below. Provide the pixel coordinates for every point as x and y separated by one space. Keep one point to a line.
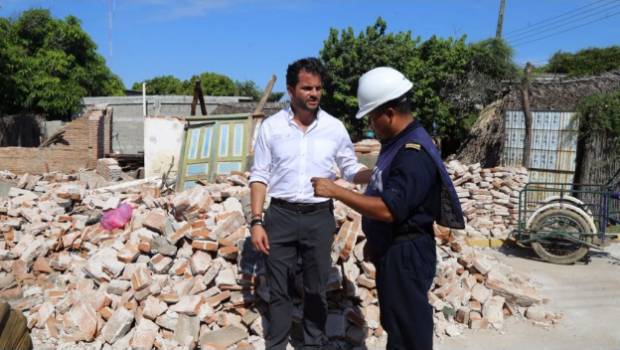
253 39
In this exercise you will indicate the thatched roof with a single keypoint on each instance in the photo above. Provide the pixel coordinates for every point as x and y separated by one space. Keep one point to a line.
484 144
562 94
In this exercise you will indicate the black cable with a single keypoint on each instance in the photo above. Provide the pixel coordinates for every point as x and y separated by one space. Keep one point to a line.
565 21
543 21
566 30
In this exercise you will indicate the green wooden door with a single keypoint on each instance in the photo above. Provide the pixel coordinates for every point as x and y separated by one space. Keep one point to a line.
217 146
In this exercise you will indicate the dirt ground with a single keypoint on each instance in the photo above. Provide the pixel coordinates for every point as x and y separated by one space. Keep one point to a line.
587 294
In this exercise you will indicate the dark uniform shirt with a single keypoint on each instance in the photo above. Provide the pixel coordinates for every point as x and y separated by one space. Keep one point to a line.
410 187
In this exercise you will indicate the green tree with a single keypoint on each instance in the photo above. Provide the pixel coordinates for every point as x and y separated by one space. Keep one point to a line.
347 56
478 81
161 85
248 88
591 61
451 78
47 65
213 84
601 113
275 97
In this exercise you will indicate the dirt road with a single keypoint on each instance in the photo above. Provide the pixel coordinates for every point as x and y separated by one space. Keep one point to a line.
587 295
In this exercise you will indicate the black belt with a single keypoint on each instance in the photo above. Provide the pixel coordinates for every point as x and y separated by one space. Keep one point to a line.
301 208
407 236
406 232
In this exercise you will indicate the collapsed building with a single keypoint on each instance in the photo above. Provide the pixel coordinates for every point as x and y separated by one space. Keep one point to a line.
181 273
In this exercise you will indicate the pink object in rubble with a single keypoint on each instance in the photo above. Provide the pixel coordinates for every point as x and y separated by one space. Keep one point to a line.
116 218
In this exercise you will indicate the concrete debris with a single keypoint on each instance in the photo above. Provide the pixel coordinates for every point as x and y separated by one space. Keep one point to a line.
182 273
118 325
368 146
489 198
109 169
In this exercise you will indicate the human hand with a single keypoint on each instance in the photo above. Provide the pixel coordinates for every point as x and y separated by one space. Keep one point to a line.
324 187
260 239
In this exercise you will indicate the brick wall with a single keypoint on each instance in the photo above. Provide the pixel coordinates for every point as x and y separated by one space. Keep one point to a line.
83 144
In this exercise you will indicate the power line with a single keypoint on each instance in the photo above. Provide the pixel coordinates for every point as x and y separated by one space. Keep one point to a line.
553 17
566 21
568 29
562 30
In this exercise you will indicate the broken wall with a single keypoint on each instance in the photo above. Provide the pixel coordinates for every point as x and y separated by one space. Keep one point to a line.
23 130
79 147
163 140
128 123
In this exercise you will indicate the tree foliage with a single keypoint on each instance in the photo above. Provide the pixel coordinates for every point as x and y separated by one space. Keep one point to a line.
162 85
47 65
213 84
591 61
600 113
347 56
452 79
249 88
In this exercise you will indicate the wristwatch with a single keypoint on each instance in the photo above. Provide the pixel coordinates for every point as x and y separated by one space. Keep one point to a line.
256 219
255 222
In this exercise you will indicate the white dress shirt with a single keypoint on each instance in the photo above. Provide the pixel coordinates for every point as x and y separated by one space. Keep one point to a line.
286 158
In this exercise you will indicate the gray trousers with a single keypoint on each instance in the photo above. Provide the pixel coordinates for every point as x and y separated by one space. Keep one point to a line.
294 235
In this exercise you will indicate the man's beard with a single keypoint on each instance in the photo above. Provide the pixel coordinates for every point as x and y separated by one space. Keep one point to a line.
304 105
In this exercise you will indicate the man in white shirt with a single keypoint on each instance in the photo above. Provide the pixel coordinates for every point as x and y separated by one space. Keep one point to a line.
293 146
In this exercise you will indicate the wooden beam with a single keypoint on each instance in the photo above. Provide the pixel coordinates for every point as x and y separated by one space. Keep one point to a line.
525 101
198 96
258 111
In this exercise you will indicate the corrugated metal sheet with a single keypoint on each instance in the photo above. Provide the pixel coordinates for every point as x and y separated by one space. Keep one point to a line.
566 161
553 143
568 140
547 177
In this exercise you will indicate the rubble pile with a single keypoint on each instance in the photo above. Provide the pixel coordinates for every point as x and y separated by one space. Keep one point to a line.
109 169
182 273
367 146
489 197
472 289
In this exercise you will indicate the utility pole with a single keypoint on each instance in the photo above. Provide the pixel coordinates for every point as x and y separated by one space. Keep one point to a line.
500 19
527 113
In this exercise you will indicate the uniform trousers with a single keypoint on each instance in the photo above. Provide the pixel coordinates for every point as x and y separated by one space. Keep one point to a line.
404 276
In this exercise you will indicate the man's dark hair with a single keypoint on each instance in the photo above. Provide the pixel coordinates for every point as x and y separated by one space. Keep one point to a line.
401 104
308 64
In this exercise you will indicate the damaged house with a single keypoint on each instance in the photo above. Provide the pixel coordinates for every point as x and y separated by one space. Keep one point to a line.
559 151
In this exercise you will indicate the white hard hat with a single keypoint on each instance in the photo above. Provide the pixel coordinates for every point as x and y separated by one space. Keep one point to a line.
378 86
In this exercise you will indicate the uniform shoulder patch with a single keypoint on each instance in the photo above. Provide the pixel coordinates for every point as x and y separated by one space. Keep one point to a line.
411 145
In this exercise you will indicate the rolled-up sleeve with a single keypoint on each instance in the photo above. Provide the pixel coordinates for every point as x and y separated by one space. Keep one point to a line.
345 157
409 181
261 167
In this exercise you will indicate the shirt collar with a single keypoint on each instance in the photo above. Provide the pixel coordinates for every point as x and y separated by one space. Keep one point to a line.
290 115
414 124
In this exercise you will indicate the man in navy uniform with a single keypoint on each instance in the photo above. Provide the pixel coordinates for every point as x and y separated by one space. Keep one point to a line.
408 191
